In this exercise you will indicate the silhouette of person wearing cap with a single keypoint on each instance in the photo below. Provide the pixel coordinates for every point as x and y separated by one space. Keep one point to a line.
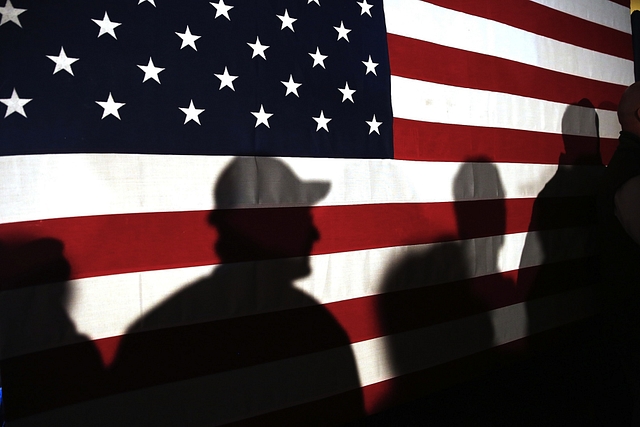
244 341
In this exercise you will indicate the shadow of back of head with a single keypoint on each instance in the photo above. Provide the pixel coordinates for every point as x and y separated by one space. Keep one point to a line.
44 359
243 340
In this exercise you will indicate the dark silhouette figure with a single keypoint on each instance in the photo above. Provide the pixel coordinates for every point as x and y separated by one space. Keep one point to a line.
573 378
555 255
33 317
230 346
620 254
450 287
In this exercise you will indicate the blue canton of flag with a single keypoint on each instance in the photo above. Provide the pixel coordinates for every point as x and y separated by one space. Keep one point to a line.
274 78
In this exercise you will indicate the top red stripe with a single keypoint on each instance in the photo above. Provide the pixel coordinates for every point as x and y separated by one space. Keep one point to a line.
625 3
425 61
530 16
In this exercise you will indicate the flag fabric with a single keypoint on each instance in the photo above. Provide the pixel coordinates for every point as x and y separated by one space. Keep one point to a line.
635 23
445 152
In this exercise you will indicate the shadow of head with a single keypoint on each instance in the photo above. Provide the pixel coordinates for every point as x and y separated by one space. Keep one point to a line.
32 262
282 227
581 134
34 316
479 200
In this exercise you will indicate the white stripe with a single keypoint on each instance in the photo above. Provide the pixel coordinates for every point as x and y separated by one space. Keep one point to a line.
433 102
243 393
106 306
67 185
424 21
603 12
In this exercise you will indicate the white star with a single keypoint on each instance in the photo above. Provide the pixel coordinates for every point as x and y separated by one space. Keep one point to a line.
153 2
287 21
342 31
371 66
315 1
150 71
262 117
191 113
322 122
110 107
62 62
10 13
188 39
292 87
226 79
347 92
106 26
318 58
374 125
258 48
15 104
222 9
366 7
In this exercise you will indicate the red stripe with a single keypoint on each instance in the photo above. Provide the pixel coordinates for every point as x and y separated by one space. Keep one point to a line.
625 3
185 352
548 22
415 140
371 317
416 59
112 244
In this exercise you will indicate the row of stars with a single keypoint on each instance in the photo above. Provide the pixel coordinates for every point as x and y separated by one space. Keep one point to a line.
11 14
223 9
151 72
64 63
189 39
15 104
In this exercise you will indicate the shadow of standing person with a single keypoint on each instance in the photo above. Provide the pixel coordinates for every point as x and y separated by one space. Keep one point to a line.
435 284
46 363
244 341
571 373
620 249
555 254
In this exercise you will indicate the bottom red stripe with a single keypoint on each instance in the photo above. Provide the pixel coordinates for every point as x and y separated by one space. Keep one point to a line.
401 390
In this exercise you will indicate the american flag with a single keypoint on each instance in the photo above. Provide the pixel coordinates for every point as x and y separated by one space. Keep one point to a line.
445 151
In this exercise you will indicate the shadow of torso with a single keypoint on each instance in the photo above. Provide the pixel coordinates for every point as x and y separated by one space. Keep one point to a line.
239 352
429 288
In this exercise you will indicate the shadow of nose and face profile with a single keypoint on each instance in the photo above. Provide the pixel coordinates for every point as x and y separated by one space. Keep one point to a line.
282 228
244 341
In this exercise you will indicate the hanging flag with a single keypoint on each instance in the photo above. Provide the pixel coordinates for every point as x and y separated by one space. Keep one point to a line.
287 211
